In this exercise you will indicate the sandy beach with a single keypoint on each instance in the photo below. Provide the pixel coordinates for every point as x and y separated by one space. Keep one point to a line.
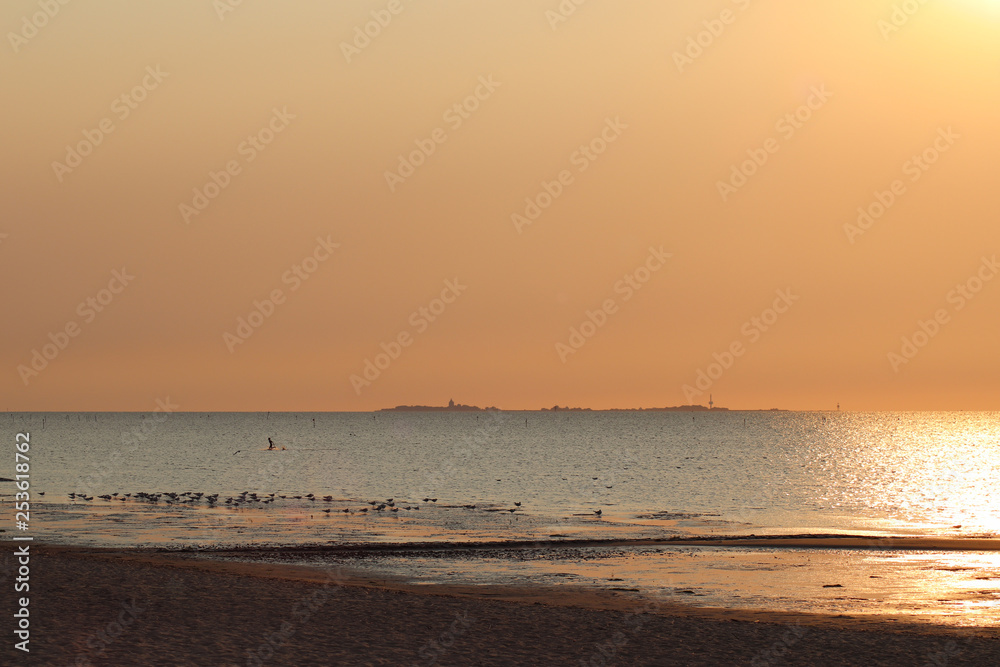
113 607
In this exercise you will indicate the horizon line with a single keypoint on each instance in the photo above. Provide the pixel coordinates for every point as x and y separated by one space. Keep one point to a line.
420 408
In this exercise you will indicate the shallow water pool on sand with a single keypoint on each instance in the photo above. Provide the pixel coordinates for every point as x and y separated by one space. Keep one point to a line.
948 588
437 545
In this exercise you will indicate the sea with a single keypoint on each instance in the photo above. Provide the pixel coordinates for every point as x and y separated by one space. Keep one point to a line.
588 498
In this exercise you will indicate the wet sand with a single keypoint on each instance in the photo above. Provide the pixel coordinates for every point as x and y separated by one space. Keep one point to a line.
119 607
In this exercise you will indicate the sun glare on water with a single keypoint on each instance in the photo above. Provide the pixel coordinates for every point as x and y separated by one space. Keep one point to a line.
958 468
931 472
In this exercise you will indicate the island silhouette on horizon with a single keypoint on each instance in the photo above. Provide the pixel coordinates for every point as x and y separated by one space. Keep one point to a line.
459 407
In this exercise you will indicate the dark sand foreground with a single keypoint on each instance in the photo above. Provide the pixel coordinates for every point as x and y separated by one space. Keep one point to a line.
92 607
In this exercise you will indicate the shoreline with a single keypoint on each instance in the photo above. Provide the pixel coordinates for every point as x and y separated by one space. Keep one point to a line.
578 597
479 409
804 541
125 607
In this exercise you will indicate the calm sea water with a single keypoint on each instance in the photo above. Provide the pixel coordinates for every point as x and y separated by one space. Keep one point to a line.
648 473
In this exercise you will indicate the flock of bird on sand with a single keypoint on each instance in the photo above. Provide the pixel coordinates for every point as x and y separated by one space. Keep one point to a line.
251 499
254 500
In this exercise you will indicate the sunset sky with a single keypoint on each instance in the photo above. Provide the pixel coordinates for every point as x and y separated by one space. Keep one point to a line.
699 163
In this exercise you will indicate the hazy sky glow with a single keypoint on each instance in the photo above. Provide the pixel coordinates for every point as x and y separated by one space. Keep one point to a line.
740 138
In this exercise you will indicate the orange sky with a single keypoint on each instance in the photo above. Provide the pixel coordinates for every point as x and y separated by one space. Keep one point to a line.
309 121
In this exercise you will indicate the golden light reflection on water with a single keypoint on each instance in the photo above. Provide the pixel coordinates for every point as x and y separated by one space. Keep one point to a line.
963 583
933 587
938 472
